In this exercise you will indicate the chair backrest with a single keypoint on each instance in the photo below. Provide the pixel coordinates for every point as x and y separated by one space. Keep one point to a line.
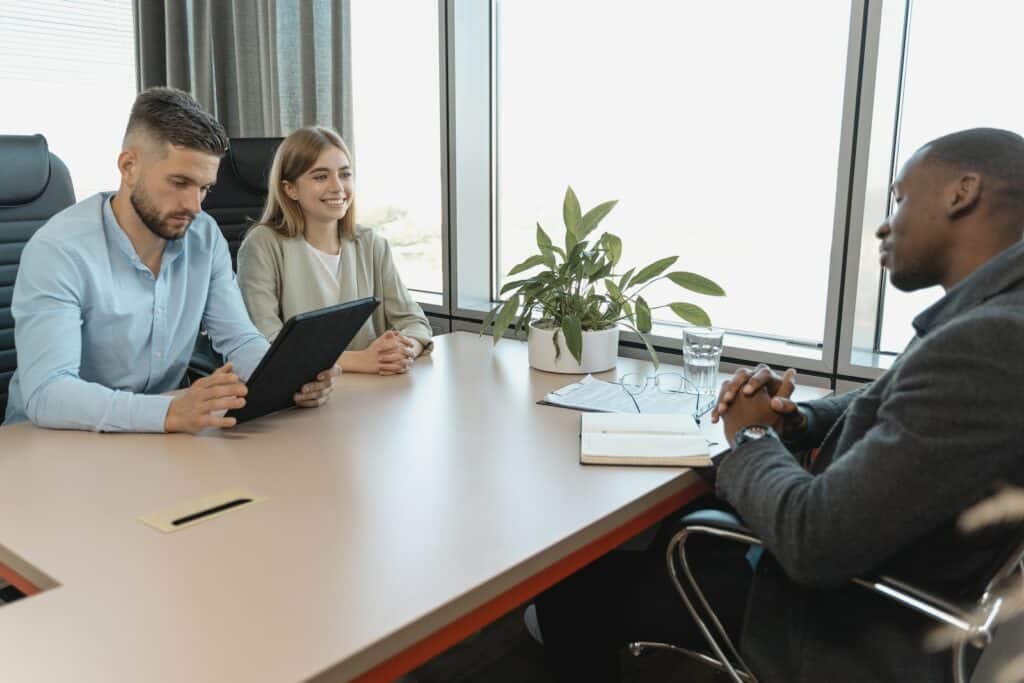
237 200
34 185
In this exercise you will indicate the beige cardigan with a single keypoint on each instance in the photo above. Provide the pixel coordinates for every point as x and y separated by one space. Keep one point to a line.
280 277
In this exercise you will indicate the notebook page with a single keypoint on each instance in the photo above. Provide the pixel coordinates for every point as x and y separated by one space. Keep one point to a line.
632 423
643 445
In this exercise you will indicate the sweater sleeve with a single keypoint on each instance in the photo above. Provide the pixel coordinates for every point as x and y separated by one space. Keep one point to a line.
400 310
821 414
259 278
933 446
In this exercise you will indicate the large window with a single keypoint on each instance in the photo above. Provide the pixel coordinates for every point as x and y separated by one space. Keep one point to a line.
67 70
397 129
959 72
755 140
716 125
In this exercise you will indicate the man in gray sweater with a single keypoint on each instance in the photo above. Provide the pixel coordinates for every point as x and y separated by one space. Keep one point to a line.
892 464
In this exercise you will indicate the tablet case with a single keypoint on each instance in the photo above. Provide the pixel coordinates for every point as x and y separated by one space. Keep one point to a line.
308 343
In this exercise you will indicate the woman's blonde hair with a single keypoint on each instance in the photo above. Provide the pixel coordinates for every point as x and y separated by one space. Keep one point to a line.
296 155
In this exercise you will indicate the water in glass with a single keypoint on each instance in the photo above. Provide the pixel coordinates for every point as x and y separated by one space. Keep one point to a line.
702 349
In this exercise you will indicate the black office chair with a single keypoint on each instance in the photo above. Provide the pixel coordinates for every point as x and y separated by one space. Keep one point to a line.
235 202
237 199
975 622
34 185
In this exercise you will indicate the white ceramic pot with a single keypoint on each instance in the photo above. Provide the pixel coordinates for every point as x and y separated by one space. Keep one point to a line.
600 349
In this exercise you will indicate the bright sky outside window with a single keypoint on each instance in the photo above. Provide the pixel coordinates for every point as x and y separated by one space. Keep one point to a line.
397 129
946 90
716 125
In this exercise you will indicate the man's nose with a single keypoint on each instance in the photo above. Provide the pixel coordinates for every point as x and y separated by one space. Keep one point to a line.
883 230
194 200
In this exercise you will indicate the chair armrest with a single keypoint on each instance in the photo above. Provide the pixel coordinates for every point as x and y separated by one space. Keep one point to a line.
716 519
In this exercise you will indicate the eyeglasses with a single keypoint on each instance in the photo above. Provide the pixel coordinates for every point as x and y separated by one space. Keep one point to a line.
634 384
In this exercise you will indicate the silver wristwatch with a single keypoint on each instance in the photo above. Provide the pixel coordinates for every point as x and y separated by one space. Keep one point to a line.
753 433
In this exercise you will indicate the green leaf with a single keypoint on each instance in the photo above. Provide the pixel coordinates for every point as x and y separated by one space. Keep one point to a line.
650 349
570 242
691 313
575 253
613 245
603 272
625 278
549 257
508 311
696 283
627 308
643 315
535 260
570 213
613 290
525 313
591 269
591 219
573 332
652 271
543 241
513 285
554 340
489 318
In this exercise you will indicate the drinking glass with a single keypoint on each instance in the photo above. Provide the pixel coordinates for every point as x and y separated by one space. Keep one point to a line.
702 350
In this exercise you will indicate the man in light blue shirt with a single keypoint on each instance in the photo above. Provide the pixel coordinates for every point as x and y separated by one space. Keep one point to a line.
111 292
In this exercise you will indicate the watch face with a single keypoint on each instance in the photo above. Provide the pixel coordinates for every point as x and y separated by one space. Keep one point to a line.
752 433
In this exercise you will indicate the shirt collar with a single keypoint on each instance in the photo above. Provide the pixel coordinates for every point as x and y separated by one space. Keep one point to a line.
997 275
120 237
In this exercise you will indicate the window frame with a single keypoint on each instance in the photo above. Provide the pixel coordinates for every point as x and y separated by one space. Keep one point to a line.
472 93
869 138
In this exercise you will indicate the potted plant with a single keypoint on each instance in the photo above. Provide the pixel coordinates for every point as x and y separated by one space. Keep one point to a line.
582 298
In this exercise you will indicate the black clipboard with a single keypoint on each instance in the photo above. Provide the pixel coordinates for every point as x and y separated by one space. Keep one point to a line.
308 343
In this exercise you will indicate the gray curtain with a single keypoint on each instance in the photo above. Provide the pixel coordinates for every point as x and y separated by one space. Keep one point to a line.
262 67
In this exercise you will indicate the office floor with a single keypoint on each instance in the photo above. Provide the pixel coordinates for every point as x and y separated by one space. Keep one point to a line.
505 653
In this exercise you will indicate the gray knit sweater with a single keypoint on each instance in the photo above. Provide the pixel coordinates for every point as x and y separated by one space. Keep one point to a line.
899 460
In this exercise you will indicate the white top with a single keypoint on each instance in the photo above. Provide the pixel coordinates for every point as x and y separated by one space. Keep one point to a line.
331 262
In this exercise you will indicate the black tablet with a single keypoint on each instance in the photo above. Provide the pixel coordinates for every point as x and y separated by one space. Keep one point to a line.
308 343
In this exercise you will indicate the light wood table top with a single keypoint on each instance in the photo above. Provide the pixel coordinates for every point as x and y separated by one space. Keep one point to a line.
405 506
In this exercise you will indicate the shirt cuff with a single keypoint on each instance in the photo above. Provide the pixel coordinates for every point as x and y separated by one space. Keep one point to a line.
149 412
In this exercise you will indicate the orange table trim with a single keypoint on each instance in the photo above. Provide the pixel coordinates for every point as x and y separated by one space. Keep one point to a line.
16 580
438 642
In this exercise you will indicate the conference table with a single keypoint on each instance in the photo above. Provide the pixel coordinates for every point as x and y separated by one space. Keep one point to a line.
386 526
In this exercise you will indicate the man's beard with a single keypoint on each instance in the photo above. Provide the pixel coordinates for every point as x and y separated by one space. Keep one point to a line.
151 218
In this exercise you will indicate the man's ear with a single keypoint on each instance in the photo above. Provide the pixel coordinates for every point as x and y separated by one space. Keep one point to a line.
128 163
964 194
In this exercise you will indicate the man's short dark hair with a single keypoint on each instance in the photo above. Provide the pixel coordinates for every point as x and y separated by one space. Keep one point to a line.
991 152
171 115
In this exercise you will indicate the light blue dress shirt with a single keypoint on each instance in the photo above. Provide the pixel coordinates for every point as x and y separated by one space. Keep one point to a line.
99 337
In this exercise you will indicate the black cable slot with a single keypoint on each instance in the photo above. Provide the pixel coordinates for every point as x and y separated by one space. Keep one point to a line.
211 511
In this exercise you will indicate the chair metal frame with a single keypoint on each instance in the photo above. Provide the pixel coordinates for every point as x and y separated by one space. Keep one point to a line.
976 623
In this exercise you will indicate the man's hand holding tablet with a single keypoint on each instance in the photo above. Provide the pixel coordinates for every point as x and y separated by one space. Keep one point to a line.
315 394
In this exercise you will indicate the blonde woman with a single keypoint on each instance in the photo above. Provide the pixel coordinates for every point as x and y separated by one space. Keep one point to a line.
306 252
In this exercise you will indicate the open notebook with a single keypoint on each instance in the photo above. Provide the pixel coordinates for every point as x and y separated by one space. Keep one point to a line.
633 439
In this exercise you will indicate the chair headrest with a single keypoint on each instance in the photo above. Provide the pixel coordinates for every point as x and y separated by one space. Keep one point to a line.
251 159
25 170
